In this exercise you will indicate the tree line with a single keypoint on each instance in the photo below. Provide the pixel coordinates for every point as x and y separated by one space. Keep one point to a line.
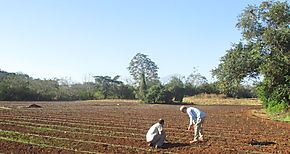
22 87
17 86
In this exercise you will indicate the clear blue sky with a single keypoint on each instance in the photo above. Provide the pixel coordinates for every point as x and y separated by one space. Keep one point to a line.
80 38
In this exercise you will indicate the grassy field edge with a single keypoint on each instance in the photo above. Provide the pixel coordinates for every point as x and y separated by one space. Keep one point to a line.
261 113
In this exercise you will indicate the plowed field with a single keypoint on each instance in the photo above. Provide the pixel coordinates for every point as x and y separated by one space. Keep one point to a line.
95 127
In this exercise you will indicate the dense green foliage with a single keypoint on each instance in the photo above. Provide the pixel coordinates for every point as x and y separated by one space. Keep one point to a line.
176 87
21 87
15 86
107 87
263 52
240 62
158 94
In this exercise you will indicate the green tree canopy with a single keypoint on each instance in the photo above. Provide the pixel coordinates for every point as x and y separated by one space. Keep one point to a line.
142 65
158 94
176 87
105 84
264 51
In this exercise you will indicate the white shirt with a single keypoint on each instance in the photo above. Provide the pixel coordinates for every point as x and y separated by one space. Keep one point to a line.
194 115
153 131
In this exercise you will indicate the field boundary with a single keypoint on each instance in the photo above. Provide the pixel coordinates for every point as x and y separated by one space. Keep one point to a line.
250 114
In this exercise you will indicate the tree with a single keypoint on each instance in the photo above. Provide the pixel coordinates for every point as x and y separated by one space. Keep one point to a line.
208 88
263 52
239 62
15 87
176 87
144 72
124 92
83 91
195 79
141 94
142 65
158 94
105 84
45 89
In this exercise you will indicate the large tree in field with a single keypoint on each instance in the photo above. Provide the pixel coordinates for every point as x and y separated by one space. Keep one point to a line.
264 51
144 72
141 66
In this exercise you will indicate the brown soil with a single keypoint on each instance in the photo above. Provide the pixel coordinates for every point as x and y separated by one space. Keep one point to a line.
117 127
34 106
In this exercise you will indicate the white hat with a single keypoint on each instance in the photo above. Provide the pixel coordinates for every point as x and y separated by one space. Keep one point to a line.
182 107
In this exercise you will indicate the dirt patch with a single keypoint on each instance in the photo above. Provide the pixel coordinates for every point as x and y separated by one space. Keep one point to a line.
34 106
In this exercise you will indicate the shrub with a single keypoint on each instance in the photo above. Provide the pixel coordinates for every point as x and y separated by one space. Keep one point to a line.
158 94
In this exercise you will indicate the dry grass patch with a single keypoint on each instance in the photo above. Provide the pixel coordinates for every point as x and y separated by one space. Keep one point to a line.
261 114
4 108
212 99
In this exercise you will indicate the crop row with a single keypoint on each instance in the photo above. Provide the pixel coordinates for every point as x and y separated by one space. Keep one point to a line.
212 117
87 127
218 124
34 138
98 132
172 130
172 127
126 129
113 134
67 129
60 142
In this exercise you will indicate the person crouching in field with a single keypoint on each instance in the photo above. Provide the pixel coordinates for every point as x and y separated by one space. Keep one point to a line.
196 118
155 135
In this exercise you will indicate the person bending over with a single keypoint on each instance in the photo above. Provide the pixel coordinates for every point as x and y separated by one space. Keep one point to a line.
196 118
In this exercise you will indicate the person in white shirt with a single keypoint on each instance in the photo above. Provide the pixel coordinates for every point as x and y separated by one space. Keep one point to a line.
196 118
155 135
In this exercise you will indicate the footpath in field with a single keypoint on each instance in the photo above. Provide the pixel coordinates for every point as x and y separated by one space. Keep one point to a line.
104 127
